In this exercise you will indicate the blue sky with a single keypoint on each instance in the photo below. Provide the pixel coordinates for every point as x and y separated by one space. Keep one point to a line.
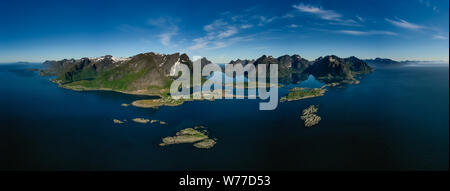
44 30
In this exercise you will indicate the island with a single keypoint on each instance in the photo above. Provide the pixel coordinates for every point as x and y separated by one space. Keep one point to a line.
141 120
205 144
303 93
151 74
310 117
116 121
196 135
156 121
155 103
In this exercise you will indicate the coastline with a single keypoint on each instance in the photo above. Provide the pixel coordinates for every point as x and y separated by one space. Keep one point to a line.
287 97
81 88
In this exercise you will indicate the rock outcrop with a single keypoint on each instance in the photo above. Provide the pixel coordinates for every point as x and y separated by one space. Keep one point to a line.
196 135
310 117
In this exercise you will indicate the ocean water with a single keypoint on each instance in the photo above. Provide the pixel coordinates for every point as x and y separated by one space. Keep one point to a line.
395 119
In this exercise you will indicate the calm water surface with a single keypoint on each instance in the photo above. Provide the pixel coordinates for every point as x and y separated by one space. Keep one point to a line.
395 119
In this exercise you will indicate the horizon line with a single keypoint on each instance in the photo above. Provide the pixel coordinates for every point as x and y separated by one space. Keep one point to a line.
179 52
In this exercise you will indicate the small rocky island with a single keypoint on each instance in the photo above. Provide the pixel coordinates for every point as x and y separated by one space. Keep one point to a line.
155 103
141 120
196 135
310 117
116 121
158 121
303 93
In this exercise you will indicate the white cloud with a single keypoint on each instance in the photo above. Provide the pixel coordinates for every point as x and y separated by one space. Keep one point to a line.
366 33
322 13
236 18
165 38
440 37
227 33
219 44
217 35
293 26
264 20
215 25
199 43
404 24
329 15
246 26
227 30
360 18
168 27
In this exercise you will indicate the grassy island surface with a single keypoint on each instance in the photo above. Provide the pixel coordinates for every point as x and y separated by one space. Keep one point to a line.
155 103
303 93
190 135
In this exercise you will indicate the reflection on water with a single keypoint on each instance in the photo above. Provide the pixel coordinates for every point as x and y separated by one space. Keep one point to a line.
311 82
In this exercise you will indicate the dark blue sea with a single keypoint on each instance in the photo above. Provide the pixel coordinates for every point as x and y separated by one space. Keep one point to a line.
395 119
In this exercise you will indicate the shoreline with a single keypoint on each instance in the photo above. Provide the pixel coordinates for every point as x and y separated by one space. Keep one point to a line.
286 98
81 88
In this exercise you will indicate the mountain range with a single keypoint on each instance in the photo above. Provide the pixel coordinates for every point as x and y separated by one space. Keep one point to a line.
384 61
150 73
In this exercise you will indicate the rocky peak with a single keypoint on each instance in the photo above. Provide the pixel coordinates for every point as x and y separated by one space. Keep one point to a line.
243 62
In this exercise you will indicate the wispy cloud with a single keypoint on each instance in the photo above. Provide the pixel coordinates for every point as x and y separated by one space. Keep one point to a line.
293 26
366 33
230 31
360 18
440 37
215 25
199 43
322 13
169 28
246 26
217 33
165 38
348 22
404 24
334 17
265 20
210 44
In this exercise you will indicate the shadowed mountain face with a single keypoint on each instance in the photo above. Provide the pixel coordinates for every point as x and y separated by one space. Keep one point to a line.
290 68
294 69
150 72
73 70
243 62
334 69
295 62
285 63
